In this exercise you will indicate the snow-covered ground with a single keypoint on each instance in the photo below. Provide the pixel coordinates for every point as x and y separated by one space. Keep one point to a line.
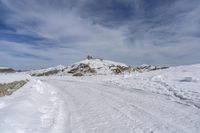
10 77
59 68
163 101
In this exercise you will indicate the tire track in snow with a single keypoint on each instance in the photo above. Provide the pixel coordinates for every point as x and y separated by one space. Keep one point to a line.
100 117
123 107
138 114
182 98
184 119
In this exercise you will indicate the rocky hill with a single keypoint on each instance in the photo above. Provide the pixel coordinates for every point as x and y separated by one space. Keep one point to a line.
97 66
94 66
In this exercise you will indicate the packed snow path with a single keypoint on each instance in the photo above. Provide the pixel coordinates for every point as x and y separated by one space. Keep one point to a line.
102 108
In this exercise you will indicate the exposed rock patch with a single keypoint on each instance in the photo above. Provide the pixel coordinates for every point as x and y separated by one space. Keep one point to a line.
7 70
146 68
77 74
121 69
48 73
9 88
81 70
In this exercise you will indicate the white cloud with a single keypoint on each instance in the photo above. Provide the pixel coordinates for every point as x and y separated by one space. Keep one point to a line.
161 40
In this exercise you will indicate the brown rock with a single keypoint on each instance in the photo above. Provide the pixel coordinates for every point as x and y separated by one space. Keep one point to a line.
9 88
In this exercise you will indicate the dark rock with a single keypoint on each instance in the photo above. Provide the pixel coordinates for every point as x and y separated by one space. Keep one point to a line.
78 74
7 70
48 73
82 68
120 69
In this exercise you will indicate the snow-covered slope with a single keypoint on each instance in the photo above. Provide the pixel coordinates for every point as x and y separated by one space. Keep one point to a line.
48 71
163 101
181 82
36 108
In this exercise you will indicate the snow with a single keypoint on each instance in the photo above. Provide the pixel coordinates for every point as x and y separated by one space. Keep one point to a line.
33 109
10 77
59 67
163 101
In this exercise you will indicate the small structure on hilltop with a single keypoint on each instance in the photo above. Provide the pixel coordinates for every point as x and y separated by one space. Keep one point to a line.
89 57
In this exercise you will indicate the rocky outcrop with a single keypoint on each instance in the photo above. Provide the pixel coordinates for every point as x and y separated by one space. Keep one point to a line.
121 69
7 70
9 88
81 70
147 68
48 73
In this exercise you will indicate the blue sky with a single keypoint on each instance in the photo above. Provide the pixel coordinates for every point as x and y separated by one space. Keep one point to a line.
43 33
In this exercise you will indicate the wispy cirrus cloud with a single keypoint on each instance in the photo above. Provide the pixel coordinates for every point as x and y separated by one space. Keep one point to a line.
131 31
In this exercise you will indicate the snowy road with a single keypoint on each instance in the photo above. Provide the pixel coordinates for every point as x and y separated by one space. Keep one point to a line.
100 108
166 101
